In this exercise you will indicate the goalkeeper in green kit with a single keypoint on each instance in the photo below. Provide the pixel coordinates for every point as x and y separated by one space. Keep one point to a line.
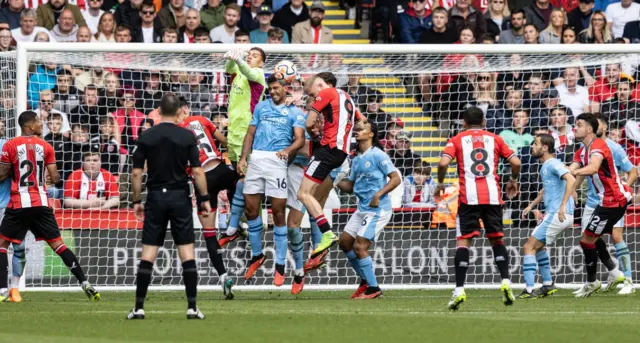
247 89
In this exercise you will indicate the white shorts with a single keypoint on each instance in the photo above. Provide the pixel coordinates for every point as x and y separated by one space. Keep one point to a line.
266 174
551 227
587 213
295 174
368 224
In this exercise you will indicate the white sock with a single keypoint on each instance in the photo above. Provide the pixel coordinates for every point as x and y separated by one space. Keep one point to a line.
507 281
84 283
231 231
529 289
458 290
15 281
547 283
223 278
299 272
3 290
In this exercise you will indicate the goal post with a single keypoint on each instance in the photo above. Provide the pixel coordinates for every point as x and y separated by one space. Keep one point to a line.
414 93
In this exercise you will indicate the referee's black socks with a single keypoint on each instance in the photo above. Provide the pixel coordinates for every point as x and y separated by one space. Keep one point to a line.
190 277
145 268
71 261
213 248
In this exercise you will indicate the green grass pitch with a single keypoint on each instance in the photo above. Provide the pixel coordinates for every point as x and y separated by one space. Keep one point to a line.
329 317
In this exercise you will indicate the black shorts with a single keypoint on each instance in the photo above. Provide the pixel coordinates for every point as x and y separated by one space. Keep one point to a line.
39 220
468 221
165 206
323 160
603 220
220 178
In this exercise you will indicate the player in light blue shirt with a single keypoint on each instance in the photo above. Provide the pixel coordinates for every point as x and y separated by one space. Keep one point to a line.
19 254
368 181
557 187
623 254
275 134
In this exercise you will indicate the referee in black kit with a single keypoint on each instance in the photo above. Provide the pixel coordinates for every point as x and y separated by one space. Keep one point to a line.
168 150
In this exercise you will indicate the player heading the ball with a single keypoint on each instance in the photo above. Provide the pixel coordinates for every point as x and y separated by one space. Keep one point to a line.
338 113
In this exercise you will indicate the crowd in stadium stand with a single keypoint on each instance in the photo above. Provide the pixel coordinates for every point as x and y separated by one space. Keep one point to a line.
101 110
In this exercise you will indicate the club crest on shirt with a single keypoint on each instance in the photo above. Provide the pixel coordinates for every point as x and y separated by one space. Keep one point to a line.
100 184
367 164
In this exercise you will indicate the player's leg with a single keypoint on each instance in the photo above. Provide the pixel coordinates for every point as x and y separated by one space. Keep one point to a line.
252 211
594 229
296 245
12 230
44 226
529 265
492 219
295 174
4 270
371 227
616 276
323 161
219 176
18 262
321 194
181 218
347 240
542 257
624 258
280 233
467 227
237 210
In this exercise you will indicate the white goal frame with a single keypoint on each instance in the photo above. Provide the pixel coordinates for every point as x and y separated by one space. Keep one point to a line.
22 72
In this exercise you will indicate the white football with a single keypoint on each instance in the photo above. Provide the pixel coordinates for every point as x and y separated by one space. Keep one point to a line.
286 70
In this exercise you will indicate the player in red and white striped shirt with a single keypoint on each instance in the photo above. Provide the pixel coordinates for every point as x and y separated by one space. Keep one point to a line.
595 161
339 114
219 177
478 153
28 157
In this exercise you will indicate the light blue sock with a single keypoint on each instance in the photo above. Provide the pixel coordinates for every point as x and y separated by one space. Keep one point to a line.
529 271
255 236
624 258
316 235
544 266
19 259
280 239
296 245
237 205
222 221
355 263
367 269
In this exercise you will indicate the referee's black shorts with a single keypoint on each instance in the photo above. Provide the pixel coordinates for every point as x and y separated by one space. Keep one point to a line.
165 206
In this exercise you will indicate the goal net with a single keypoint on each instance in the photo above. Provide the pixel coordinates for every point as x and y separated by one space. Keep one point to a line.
101 97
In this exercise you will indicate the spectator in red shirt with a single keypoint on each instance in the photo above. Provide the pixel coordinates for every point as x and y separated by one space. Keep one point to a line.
606 86
91 187
128 120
